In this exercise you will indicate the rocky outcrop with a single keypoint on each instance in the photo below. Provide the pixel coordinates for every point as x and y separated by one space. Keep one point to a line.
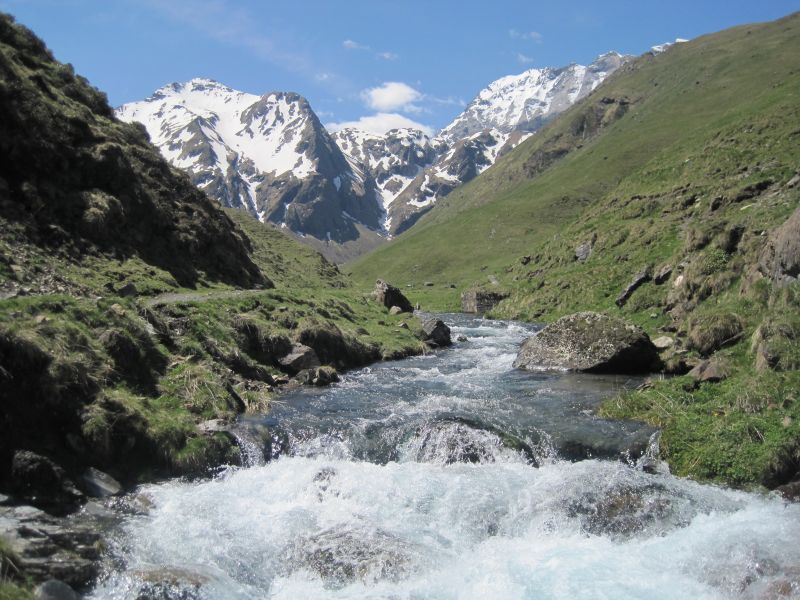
435 333
46 547
41 481
779 260
390 296
90 183
709 371
590 342
708 334
640 278
99 484
480 301
662 275
318 376
334 347
299 358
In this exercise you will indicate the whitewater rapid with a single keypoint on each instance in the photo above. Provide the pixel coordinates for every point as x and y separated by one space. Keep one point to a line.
441 477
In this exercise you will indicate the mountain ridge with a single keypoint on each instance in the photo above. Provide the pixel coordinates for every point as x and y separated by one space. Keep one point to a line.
347 191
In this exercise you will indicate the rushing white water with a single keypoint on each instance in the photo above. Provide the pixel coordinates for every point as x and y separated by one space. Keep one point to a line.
407 481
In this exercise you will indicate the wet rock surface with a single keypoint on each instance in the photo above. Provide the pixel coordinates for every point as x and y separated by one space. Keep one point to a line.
47 548
435 333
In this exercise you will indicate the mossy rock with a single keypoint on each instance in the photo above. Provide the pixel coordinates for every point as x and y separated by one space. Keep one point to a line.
590 342
708 333
333 347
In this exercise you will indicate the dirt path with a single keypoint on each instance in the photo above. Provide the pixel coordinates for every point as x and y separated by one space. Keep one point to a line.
173 298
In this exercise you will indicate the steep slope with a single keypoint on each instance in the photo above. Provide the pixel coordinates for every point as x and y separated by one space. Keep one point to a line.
269 155
112 191
132 309
671 182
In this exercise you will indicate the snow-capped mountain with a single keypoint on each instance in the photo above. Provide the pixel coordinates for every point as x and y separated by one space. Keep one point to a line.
271 156
526 101
501 116
392 161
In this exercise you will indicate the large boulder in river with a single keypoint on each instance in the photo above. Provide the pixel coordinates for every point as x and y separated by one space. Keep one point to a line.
435 332
390 296
590 342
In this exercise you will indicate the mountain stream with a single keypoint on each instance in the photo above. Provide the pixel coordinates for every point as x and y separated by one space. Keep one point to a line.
452 475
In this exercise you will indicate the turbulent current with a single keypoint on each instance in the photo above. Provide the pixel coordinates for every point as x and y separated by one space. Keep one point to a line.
452 475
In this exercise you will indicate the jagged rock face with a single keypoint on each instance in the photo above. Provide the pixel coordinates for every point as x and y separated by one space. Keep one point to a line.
391 161
269 155
502 116
461 162
525 102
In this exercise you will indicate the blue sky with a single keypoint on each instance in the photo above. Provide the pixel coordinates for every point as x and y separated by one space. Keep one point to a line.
385 61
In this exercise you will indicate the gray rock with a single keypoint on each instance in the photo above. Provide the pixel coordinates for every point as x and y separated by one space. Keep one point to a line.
663 275
663 342
213 426
41 481
779 260
390 296
583 252
790 491
99 484
480 301
435 332
319 376
641 277
461 338
709 371
590 342
47 547
128 290
55 590
301 357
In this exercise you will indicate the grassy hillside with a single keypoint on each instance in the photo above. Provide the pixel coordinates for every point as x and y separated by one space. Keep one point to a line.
695 114
132 308
682 162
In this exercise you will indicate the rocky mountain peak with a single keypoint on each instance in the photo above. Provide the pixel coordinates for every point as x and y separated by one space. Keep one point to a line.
270 154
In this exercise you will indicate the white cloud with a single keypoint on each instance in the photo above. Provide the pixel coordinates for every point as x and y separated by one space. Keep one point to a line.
387 55
525 60
353 45
380 123
392 95
533 36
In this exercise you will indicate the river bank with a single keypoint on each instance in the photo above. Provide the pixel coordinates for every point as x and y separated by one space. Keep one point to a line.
444 476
